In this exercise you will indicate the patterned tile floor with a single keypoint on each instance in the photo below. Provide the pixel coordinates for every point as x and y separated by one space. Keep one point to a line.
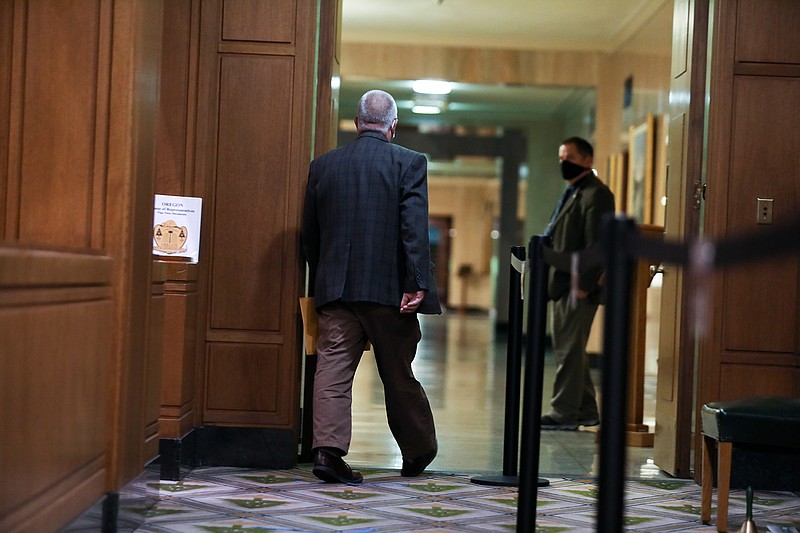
243 500
461 363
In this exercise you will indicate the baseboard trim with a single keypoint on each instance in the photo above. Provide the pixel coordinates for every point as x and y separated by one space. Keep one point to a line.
227 446
177 456
246 447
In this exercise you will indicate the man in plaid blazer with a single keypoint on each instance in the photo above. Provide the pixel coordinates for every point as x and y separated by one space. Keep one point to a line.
365 236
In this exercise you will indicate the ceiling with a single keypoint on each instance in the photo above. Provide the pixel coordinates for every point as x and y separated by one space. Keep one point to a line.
598 25
470 104
578 25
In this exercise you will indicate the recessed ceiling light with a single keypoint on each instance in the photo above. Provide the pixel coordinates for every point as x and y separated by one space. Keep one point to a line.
432 87
426 109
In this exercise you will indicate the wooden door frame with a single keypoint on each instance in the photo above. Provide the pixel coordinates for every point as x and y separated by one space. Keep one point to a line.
675 387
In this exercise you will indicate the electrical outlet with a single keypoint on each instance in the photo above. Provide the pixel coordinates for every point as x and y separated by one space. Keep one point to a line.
764 210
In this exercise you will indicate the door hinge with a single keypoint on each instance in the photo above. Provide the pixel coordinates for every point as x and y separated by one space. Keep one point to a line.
699 194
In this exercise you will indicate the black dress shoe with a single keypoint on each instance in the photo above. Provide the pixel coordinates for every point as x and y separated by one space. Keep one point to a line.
550 423
415 467
333 469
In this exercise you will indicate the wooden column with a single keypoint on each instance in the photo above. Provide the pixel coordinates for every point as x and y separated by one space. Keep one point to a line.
153 362
254 124
178 395
179 413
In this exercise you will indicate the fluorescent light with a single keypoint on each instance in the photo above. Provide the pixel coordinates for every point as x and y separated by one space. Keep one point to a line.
432 87
426 109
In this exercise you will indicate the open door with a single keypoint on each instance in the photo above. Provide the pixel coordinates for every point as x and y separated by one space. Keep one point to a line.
676 359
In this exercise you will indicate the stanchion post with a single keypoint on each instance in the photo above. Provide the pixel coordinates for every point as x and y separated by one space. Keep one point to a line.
509 477
619 269
514 363
529 480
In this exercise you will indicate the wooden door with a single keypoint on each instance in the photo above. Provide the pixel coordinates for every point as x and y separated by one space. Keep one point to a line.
77 97
676 355
751 346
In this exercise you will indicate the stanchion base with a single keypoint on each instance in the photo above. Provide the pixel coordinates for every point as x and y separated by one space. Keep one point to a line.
496 481
504 481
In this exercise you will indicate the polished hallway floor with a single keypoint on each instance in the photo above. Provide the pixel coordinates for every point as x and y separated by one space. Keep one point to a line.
461 363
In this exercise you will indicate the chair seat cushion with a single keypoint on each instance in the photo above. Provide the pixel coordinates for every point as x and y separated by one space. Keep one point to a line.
768 420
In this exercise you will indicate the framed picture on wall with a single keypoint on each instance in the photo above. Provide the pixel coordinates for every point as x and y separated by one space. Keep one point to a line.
618 179
641 171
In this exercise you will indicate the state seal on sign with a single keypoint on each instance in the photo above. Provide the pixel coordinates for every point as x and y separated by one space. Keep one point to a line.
169 237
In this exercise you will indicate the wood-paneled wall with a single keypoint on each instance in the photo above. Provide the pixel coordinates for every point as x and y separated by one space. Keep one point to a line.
752 346
56 312
78 84
235 128
255 103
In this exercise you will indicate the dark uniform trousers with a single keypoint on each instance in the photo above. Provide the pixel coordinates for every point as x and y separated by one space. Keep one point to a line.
574 395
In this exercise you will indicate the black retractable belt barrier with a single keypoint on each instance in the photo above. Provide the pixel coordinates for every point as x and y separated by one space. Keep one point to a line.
622 243
619 270
529 479
513 365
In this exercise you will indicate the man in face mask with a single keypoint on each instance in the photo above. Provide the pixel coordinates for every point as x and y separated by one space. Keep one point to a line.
574 226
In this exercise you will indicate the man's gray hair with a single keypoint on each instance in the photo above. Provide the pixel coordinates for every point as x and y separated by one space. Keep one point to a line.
376 111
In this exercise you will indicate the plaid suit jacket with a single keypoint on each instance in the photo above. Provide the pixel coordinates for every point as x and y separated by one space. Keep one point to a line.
365 224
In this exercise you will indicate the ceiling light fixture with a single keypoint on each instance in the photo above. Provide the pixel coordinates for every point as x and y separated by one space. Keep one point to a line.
426 109
427 104
432 87
430 96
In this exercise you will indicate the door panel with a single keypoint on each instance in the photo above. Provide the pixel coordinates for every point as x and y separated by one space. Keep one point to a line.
254 144
751 347
676 359
251 193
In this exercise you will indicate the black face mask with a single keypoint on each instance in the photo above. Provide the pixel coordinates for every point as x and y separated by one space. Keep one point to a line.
570 170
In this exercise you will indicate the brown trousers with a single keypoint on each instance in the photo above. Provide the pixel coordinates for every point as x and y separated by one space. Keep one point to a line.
344 329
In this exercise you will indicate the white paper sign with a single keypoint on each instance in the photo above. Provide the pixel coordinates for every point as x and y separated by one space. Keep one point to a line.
176 226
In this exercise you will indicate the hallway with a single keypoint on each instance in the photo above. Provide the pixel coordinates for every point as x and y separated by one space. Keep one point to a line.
461 363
